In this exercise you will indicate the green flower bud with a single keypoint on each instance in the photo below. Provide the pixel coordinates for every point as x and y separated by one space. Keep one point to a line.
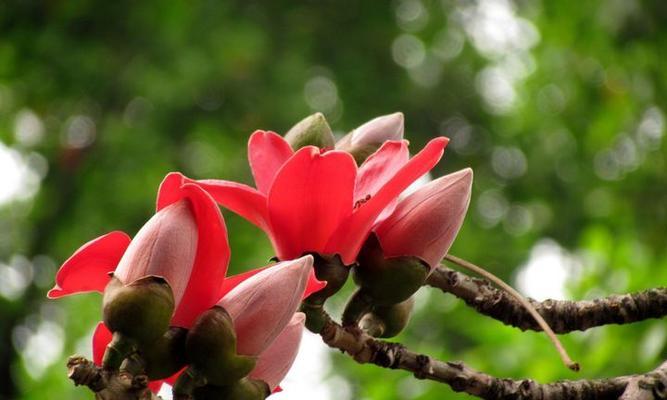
388 321
387 281
137 314
166 356
211 348
332 270
311 131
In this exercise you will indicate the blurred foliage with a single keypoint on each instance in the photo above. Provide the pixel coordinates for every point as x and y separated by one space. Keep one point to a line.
558 107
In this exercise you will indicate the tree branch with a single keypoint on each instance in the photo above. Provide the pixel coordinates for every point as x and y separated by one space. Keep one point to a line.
366 349
108 385
562 315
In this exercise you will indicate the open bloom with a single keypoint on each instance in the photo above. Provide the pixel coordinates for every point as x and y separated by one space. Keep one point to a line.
319 201
425 223
185 242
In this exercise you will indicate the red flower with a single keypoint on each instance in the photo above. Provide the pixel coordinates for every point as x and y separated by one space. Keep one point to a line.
185 242
315 201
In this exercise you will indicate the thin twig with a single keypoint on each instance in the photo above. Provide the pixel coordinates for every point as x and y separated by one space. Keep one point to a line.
522 300
562 315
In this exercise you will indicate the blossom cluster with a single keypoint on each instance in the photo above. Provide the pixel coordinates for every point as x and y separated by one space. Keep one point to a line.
329 207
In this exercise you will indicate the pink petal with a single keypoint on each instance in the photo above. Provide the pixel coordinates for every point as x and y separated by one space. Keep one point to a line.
350 236
101 338
379 130
426 222
239 198
231 282
309 198
274 363
165 246
267 152
88 269
262 305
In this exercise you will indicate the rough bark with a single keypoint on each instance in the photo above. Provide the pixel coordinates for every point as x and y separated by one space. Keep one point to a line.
563 316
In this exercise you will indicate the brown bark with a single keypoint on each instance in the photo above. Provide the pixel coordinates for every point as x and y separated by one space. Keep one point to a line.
562 315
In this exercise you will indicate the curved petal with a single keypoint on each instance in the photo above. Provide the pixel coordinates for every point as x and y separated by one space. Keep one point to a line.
309 198
233 281
210 267
351 234
267 152
426 222
87 270
379 168
245 201
101 338
267 300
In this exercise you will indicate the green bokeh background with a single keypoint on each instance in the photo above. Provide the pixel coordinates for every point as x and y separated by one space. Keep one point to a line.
557 106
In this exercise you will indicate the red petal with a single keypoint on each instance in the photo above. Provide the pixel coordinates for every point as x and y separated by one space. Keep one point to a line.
309 198
267 152
101 338
239 198
350 236
313 285
87 270
208 274
379 168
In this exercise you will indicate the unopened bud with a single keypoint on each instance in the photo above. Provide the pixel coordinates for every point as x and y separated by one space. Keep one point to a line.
211 348
367 138
313 130
387 321
387 281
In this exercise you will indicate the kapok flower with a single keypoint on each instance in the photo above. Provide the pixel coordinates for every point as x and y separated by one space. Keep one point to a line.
274 363
310 201
185 243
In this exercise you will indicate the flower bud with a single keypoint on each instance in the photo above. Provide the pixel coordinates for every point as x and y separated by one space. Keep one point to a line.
425 223
387 281
262 305
367 138
165 356
311 131
388 321
212 348
274 363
